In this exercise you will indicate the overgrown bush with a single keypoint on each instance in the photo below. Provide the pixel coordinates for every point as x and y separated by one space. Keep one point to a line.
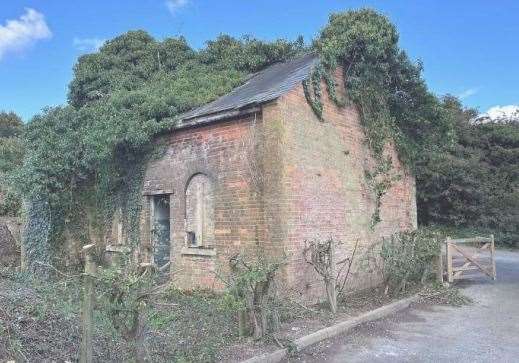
124 292
385 85
40 321
409 257
251 292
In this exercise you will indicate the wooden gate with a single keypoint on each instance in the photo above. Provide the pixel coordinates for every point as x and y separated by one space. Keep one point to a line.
465 255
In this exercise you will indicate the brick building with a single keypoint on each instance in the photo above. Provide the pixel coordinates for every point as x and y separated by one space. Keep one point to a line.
257 169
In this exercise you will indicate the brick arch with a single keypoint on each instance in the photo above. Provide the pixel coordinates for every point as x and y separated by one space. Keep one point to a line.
193 174
199 210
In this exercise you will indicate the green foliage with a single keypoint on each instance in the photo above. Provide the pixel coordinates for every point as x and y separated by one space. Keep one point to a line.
387 87
11 157
90 155
251 292
11 124
122 296
380 180
246 275
408 256
475 183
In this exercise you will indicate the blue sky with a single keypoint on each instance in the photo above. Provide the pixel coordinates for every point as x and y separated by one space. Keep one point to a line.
469 48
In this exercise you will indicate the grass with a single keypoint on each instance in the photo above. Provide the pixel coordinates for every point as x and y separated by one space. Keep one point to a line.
40 321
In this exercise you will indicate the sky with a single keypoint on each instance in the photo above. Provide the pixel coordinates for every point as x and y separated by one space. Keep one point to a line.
468 48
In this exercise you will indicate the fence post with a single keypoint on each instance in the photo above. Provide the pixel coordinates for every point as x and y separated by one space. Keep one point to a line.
439 267
450 277
86 353
493 256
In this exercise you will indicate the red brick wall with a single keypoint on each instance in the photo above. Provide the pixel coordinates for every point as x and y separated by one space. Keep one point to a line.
281 178
323 192
224 152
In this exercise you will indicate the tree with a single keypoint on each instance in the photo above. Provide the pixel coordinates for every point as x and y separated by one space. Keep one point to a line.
475 183
11 157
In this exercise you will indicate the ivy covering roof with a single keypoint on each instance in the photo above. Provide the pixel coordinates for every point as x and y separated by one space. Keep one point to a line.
263 86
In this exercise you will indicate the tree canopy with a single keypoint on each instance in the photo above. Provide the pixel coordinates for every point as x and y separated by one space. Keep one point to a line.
475 183
11 158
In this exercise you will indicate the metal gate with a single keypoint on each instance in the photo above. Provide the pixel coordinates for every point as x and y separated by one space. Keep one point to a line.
465 256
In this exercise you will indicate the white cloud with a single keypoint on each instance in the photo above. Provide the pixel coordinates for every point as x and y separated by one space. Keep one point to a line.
88 44
20 33
499 114
468 92
174 5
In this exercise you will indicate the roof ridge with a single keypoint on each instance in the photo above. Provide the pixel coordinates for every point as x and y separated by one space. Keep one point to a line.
262 86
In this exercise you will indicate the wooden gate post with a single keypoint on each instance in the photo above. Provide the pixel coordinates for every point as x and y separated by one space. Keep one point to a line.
439 267
450 277
86 353
493 256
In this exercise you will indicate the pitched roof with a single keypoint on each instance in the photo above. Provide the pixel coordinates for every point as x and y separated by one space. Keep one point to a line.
261 87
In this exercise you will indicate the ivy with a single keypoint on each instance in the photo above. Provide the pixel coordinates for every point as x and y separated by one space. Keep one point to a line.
379 181
86 160
384 84
386 87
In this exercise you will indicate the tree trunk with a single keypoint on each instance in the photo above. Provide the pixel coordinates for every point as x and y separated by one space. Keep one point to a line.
243 328
331 294
139 339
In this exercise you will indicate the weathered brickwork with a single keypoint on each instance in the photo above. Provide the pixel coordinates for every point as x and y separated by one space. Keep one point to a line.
279 177
325 194
223 152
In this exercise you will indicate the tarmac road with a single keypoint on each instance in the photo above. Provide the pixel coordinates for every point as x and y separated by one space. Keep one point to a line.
485 331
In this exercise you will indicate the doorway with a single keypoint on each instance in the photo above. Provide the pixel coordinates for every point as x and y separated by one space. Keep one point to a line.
160 229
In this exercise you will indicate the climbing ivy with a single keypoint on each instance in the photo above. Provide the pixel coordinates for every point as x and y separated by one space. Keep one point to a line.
380 180
11 157
386 87
86 160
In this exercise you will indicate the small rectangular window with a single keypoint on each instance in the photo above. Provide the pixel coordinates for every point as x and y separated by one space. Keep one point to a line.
191 238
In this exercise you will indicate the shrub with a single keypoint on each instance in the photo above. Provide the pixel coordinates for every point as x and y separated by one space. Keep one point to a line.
409 256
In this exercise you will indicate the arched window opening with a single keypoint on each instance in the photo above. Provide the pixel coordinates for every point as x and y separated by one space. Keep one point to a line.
199 212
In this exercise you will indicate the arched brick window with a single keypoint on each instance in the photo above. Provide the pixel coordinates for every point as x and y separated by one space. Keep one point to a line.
199 212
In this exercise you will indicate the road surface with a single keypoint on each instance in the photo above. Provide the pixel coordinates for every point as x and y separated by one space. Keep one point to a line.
485 331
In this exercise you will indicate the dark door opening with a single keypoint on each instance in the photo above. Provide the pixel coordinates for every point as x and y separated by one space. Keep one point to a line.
160 229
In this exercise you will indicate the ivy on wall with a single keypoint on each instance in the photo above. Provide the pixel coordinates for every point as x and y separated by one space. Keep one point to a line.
386 87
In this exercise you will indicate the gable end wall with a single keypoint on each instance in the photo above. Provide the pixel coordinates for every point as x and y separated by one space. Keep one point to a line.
323 191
